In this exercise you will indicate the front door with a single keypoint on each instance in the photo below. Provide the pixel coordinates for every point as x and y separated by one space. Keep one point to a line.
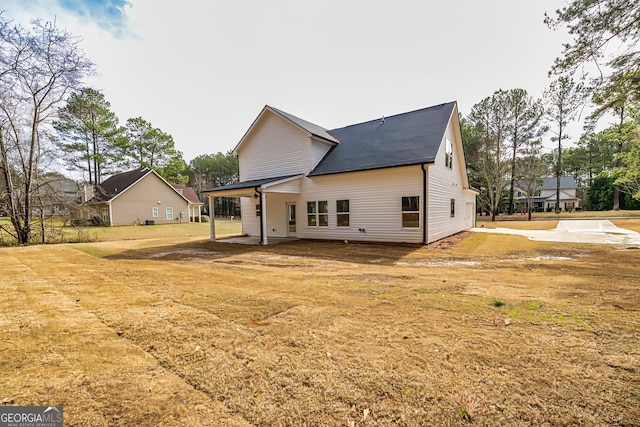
291 219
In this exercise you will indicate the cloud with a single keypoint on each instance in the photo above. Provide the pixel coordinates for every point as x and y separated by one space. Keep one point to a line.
110 15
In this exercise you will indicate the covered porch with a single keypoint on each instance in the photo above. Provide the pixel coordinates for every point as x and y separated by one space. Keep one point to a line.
274 202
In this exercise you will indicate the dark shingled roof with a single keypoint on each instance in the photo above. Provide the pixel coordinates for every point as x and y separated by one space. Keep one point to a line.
116 184
566 182
247 184
188 193
401 140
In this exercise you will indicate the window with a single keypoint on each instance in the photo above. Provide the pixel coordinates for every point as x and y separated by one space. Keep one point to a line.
154 212
105 214
342 213
318 214
323 214
411 212
453 208
448 156
258 209
169 213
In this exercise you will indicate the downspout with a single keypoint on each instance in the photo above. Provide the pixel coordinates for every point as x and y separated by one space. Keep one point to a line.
424 204
261 214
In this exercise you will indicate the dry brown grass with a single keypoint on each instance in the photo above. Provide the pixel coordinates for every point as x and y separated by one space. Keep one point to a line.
166 332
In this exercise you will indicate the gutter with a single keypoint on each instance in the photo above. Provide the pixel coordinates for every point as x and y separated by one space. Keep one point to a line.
424 204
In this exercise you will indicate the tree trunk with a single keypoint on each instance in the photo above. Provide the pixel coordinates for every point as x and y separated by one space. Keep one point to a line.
513 179
559 170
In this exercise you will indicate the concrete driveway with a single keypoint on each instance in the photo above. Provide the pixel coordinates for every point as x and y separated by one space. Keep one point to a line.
599 231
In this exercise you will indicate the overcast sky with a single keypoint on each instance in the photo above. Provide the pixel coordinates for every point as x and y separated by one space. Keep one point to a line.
203 70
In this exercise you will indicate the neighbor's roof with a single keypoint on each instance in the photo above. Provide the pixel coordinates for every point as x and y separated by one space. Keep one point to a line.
188 193
116 184
405 139
565 182
549 183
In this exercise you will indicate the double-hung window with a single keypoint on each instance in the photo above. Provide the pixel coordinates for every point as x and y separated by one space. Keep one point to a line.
411 212
318 214
154 212
169 212
342 213
448 155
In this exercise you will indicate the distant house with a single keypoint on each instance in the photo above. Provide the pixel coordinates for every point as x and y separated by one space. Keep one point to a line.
544 198
139 196
394 179
195 205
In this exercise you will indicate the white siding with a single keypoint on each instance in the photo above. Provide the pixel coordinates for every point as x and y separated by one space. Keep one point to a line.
318 151
286 187
446 184
375 204
277 213
250 222
275 148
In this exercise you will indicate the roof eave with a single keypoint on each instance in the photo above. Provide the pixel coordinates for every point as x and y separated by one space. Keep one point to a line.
398 165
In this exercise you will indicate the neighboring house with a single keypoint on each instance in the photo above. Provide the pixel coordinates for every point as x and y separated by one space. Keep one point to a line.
544 198
195 205
395 179
57 195
139 196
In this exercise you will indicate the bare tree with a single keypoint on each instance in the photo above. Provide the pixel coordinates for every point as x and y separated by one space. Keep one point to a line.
524 124
531 170
563 97
39 66
491 116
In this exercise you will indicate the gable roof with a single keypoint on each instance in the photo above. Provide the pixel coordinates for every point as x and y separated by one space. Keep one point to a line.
188 193
565 182
405 139
117 184
309 128
549 183
313 129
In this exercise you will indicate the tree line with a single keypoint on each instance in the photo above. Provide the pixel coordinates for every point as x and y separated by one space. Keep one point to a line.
47 117
502 135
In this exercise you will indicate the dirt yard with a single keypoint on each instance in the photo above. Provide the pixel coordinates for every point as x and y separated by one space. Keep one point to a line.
479 329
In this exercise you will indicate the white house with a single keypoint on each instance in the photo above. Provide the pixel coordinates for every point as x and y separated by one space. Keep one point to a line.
544 197
394 179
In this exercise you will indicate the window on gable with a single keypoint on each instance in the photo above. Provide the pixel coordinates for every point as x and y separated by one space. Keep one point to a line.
342 213
411 212
448 156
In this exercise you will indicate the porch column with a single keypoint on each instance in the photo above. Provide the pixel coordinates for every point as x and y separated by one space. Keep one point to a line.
212 220
263 216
